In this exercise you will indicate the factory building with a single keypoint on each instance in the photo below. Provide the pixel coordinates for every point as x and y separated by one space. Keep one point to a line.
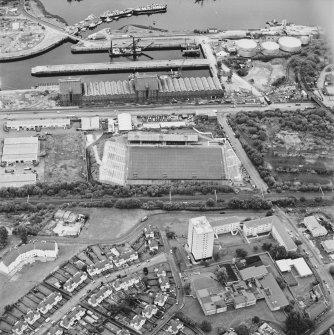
70 92
124 122
32 124
20 150
90 123
200 238
314 227
299 264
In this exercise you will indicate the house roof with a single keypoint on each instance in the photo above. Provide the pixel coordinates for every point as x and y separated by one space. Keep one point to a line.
298 263
31 315
160 297
314 226
149 309
163 281
261 221
49 300
253 272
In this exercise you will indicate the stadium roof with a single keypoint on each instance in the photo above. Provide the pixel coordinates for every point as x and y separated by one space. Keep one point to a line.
261 221
17 180
253 272
274 296
157 137
181 163
90 123
20 149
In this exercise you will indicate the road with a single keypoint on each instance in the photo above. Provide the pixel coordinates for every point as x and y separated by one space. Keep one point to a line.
240 152
75 300
322 269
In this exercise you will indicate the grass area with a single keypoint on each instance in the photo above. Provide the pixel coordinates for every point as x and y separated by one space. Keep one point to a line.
64 160
109 222
13 288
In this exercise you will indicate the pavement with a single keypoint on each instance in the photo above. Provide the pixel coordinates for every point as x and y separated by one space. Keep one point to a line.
240 152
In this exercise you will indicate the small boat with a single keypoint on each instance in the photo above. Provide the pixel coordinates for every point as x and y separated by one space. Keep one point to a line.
149 9
109 19
92 25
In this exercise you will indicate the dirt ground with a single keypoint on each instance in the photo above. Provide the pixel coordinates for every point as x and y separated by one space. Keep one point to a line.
64 160
13 288
264 74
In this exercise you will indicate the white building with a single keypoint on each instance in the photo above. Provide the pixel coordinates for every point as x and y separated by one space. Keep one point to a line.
226 225
19 327
258 226
124 122
164 283
299 264
328 245
74 282
49 302
20 150
125 283
149 311
315 228
90 123
126 257
137 322
99 267
32 316
27 254
97 298
153 245
282 237
160 299
76 314
31 124
200 238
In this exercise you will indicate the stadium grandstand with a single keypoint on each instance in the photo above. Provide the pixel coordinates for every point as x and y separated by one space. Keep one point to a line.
158 138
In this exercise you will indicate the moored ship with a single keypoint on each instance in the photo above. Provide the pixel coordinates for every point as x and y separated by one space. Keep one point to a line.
150 9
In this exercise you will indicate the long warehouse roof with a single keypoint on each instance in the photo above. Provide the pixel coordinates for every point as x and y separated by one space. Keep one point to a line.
157 137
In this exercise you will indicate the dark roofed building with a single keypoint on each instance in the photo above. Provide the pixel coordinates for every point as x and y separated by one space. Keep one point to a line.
70 91
146 86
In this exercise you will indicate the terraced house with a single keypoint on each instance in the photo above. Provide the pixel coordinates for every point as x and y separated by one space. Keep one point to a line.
27 254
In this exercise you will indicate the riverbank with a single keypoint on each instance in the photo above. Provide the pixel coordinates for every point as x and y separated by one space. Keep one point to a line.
46 14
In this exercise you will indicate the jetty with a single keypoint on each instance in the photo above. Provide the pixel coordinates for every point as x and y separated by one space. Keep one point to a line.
89 68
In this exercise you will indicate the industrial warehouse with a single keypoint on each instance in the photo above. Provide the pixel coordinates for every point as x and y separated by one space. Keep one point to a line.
140 87
20 150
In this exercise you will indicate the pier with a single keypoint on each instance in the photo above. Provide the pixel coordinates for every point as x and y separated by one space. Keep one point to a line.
89 68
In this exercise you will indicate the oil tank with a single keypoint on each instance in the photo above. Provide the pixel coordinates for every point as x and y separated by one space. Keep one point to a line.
270 48
246 47
289 44
305 40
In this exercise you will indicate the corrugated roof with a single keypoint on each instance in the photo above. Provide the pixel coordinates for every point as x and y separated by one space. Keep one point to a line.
185 163
20 148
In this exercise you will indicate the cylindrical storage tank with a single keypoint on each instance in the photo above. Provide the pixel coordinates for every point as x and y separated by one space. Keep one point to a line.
289 44
205 84
211 84
170 84
108 88
102 88
270 48
182 84
193 84
188 84
199 84
305 40
246 47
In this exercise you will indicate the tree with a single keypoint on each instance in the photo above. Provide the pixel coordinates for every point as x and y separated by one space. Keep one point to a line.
255 248
206 326
278 252
242 330
256 319
187 288
241 253
210 202
216 256
23 233
281 283
170 234
297 324
222 275
145 270
331 270
3 235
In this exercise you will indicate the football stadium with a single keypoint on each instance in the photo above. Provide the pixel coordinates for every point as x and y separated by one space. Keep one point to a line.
152 165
